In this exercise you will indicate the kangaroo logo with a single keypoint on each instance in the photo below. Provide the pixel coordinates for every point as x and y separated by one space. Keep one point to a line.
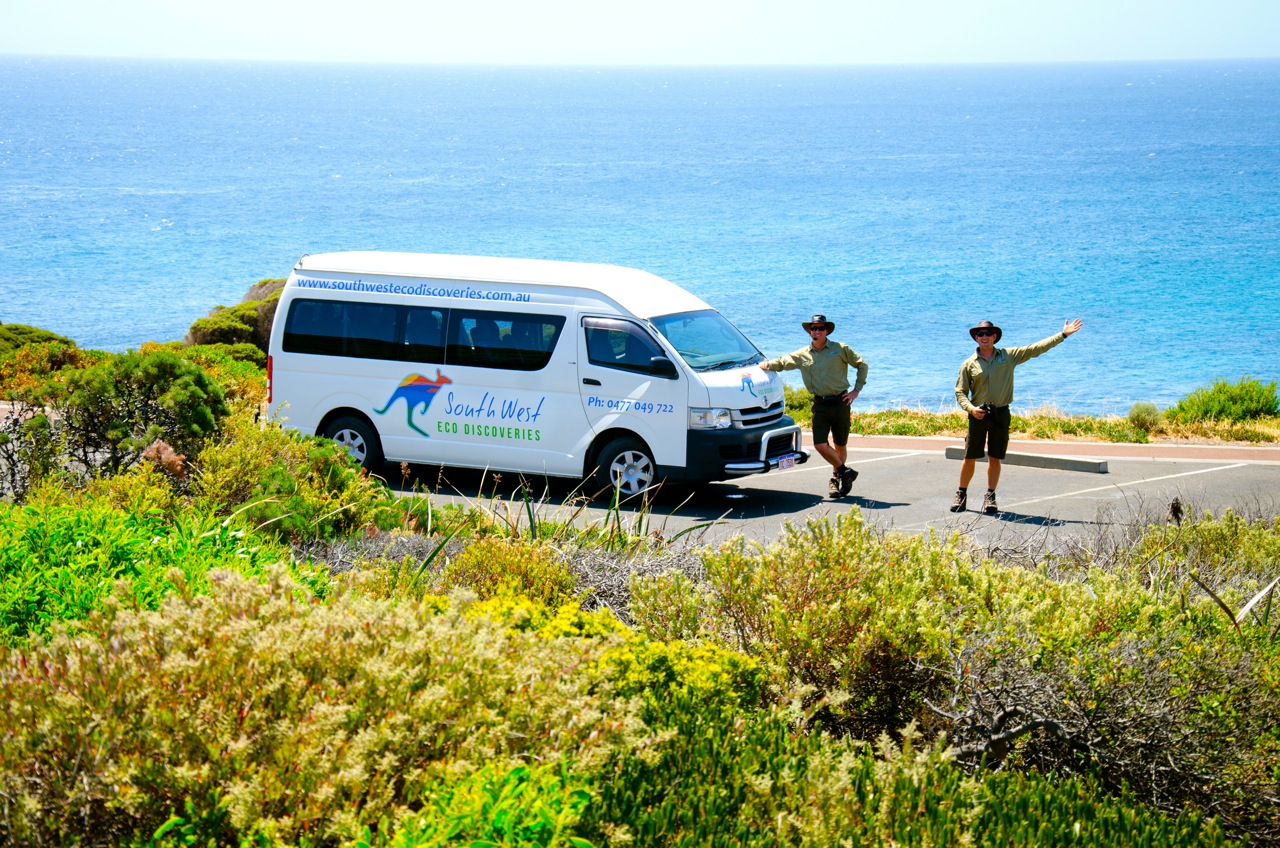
417 391
747 384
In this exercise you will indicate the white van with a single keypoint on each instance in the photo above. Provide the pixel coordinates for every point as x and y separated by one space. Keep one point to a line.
543 368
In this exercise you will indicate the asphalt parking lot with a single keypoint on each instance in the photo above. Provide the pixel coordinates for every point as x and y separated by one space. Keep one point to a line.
1051 493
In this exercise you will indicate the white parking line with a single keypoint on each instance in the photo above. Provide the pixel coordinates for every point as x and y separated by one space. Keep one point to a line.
1132 483
821 466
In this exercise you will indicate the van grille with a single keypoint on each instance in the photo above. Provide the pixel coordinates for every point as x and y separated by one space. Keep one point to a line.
778 445
757 416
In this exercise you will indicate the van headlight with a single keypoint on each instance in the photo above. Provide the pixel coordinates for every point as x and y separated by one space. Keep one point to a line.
709 419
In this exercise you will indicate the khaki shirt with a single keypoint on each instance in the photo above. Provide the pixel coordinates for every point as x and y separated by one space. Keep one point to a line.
983 381
825 372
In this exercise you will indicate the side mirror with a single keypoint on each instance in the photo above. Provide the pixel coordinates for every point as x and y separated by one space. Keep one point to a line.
660 366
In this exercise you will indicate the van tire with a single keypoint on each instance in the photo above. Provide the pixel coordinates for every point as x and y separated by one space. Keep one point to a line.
627 465
359 438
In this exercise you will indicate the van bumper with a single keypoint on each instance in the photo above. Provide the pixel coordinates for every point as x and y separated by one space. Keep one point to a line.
725 454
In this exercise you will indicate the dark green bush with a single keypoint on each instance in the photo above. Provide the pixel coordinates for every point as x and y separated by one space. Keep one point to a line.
110 413
248 322
14 336
229 326
1242 401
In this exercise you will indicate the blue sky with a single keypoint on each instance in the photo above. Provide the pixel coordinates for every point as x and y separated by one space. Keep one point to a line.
648 32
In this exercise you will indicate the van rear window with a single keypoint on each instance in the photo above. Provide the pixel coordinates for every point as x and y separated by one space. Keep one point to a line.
477 338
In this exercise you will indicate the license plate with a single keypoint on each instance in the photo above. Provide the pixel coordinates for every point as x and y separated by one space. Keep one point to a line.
786 462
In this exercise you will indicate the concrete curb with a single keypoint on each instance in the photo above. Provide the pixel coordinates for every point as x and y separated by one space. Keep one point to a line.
1057 463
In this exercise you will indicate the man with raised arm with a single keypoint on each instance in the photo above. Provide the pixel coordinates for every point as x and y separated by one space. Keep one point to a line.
984 389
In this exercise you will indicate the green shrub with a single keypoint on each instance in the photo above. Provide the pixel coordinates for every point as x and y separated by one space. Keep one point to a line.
227 326
519 807
294 486
1234 556
248 322
1242 401
62 553
267 717
15 336
835 607
669 605
496 565
28 367
108 414
1144 416
755 781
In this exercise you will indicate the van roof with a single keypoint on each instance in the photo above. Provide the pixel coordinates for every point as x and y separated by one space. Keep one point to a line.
638 292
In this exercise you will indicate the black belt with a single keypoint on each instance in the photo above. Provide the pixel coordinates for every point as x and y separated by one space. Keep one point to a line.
828 397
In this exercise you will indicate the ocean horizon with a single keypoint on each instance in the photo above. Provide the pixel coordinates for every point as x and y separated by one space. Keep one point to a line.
906 203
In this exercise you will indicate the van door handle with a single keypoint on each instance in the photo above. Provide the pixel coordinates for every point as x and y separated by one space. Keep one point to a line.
590 381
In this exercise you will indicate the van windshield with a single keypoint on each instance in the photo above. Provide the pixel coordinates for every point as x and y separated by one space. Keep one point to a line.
706 340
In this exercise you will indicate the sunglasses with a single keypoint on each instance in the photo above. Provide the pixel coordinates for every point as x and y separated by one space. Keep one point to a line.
817 329
984 332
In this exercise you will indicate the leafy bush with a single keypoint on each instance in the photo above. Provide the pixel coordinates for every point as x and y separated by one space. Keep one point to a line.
248 322
1144 416
519 807
1101 676
260 716
108 414
15 336
836 608
1242 401
27 367
494 565
669 604
62 553
755 781
228 326
293 486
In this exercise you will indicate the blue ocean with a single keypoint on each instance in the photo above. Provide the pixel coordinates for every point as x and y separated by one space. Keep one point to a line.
906 203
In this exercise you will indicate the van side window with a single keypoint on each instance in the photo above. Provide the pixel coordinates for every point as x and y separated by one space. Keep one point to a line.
619 344
423 335
340 328
510 340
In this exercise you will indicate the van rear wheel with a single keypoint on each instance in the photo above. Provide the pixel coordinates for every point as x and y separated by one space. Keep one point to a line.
359 438
627 465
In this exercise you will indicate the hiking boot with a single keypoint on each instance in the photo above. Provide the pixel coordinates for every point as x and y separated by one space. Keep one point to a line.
961 501
847 476
989 503
833 486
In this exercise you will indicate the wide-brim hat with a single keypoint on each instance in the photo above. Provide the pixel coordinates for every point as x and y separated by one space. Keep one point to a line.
985 325
818 319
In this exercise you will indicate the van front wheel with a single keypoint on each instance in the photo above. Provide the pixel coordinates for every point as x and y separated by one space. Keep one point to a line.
360 440
626 465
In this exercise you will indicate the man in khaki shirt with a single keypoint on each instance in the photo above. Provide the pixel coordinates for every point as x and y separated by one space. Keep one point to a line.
824 367
984 389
